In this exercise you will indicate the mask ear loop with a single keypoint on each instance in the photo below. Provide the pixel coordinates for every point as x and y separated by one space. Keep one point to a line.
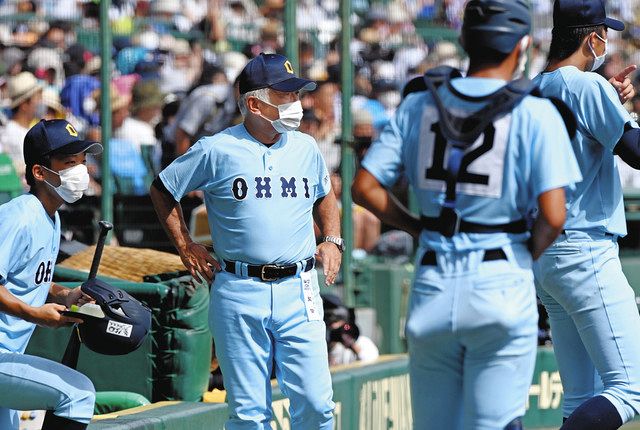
55 173
593 51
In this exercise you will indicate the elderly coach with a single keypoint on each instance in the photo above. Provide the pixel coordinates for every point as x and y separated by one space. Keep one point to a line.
264 184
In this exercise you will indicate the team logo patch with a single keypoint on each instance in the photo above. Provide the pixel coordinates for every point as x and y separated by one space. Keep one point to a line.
72 131
119 329
288 67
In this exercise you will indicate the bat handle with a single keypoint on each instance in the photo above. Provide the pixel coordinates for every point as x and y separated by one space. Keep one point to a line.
105 227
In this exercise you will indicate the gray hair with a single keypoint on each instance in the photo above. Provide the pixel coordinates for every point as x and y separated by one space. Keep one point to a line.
261 94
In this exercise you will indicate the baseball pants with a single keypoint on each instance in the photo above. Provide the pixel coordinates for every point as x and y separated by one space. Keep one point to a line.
594 321
28 382
472 336
256 324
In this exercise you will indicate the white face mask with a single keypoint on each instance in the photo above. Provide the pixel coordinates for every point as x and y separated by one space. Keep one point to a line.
290 116
74 181
598 61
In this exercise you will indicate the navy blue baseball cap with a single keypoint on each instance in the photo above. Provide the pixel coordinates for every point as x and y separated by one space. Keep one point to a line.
272 71
56 136
583 13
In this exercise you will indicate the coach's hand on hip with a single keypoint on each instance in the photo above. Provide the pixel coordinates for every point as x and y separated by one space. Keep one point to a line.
197 260
330 257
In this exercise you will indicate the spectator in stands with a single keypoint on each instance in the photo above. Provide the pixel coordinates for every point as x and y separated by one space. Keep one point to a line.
76 94
54 109
165 130
129 171
241 25
206 111
366 227
25 93
309 123
324 98
363 133
344 341
146 113
182 67
13 60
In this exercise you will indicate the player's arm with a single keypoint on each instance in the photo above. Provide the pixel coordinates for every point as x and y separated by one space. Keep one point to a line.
195 256
552 214
327 217
628 148
48 315
607 120
370 194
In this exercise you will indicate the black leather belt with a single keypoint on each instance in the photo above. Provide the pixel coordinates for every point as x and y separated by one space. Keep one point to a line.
606 234
271 272
515 227
429 257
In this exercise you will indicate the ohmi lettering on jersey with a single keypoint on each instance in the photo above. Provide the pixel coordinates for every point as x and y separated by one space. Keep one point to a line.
44 272
265 187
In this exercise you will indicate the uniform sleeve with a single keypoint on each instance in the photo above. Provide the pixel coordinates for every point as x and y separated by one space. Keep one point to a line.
553 162
13 245
196 111
323 180
192 171
384 159
601 111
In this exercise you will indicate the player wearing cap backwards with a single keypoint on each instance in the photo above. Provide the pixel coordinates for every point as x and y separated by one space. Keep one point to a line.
29 244
592 311
264 184
480 152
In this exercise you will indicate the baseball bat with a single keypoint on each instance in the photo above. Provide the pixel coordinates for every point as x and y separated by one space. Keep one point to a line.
105 227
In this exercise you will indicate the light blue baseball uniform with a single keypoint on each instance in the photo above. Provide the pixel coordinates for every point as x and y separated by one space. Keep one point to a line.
592 310
259 202
472 324
29 245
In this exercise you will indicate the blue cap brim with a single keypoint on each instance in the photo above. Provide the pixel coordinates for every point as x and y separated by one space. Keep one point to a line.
614 24
79 147
294 84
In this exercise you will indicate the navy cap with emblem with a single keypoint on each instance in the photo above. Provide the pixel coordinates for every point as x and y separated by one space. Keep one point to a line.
583 13
56 136
271 71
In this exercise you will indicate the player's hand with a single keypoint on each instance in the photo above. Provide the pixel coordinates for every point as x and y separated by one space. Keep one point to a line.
198 261
77 297
330 257
622 83
50 315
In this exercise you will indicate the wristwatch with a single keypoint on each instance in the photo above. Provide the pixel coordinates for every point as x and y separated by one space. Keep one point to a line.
338 241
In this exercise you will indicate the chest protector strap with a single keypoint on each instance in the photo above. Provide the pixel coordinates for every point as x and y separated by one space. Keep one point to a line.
461 132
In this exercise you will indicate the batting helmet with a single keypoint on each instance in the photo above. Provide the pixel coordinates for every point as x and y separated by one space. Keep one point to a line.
125 325
495 24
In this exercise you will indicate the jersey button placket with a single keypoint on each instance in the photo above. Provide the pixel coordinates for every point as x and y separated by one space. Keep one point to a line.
268 158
